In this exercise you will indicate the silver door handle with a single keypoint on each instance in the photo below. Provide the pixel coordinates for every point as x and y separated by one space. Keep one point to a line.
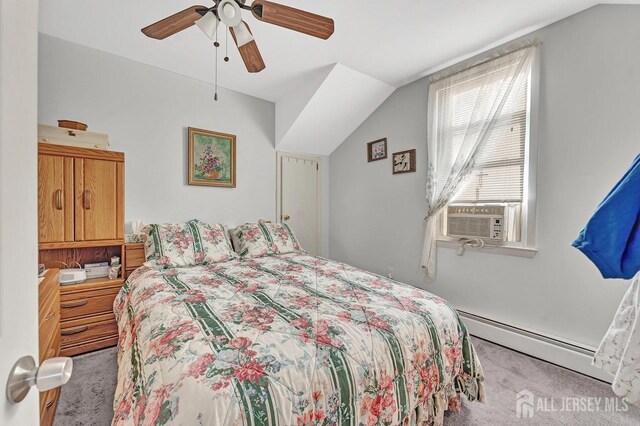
53 372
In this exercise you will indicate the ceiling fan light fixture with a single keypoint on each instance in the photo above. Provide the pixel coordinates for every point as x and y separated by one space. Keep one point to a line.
208 24
242 34
229 13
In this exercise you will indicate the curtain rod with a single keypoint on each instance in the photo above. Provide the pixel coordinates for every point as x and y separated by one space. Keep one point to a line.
464 66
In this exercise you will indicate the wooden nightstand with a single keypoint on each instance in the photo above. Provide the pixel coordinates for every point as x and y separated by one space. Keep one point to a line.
49 337
86 311
133 257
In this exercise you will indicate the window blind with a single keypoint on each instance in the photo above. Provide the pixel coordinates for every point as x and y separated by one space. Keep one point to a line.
498 172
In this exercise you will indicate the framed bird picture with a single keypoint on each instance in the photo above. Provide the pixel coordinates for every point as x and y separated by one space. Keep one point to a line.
404 161
377 150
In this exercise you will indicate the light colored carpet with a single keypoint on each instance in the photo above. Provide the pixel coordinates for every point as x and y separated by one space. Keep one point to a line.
87 398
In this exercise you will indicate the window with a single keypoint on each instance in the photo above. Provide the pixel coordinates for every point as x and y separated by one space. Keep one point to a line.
499 177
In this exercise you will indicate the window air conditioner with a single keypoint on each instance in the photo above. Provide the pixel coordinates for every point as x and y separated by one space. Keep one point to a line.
483 222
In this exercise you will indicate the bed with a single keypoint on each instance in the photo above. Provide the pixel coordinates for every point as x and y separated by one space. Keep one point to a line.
287 339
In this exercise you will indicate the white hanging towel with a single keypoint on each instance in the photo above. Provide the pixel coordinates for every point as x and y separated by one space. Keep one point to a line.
619 351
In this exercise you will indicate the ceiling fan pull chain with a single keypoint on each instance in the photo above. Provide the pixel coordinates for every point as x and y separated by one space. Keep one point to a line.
216 44
226 45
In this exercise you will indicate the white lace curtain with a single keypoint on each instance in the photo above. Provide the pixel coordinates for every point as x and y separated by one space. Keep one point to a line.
474 100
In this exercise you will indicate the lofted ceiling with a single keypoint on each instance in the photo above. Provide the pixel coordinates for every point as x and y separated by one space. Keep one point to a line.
391 41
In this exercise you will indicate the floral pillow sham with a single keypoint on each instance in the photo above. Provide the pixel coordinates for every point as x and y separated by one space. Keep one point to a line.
186 244
264 238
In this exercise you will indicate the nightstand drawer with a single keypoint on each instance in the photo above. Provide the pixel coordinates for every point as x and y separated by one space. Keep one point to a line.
91 304
82 331
134 255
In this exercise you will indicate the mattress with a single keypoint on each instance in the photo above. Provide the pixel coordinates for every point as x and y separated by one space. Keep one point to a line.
287 339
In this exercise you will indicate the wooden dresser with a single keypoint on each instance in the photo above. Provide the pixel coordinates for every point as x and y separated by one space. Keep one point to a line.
49 337
86 311
81 219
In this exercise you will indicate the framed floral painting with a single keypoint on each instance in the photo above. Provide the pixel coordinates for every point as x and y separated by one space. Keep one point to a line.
212 158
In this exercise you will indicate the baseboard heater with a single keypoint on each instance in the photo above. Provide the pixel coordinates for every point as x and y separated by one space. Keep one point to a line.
570 355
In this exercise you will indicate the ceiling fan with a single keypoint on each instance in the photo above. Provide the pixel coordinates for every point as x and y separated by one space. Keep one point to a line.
229 13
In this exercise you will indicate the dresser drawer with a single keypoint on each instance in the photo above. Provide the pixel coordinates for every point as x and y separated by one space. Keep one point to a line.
52 351
79 332
90 304
49 336
47 298
48 404
49 320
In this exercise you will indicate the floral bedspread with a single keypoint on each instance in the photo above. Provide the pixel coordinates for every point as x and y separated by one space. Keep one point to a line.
285 340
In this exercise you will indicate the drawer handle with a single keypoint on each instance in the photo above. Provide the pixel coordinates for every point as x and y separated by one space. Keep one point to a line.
49 404
87 199
49 317
59 199
74 331
73 304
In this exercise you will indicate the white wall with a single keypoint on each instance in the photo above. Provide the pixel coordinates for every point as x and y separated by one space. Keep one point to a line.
589 135
146 112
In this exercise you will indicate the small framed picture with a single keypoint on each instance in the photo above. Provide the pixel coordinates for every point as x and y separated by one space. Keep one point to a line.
377 150
212 158
404 161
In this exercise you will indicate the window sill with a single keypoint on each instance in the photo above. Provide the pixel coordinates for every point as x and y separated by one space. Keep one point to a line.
527 252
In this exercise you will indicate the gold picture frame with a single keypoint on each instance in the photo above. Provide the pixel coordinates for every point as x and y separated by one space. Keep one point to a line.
212 158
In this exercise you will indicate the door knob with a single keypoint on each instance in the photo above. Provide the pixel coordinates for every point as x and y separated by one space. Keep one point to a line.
53 372
286 217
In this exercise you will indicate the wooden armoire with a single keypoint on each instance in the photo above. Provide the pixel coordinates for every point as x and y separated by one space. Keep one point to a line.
81 197
80 220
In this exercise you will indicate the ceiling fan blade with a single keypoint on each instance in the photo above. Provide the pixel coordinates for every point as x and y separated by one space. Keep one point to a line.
248 48
293 19
174 23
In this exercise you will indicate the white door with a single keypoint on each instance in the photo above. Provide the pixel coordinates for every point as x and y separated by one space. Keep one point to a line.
18 199
299 179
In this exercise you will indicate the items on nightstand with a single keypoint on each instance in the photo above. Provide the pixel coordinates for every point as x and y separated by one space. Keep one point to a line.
72 275
97 270
137 236
114 269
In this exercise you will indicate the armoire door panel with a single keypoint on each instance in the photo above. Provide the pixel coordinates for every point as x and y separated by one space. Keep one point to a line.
99 199
55 212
